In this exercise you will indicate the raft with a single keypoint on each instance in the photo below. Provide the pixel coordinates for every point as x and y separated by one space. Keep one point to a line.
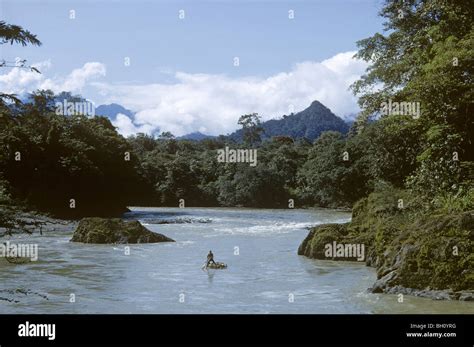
217 265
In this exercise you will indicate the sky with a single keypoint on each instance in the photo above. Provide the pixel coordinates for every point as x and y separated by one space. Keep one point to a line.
198 65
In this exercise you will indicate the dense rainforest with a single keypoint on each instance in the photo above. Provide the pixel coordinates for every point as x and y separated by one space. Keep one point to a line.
76 165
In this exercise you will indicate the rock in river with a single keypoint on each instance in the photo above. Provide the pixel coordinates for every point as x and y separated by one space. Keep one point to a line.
115 230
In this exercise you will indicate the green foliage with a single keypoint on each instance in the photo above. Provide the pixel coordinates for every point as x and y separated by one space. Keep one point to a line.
420 251
462 200
322 177
391 146
10 33
439 171
114 230
15 34
52 158
425 57
251 127
192 173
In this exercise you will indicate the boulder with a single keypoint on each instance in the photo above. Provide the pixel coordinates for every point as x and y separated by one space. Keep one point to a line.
114 230
314 245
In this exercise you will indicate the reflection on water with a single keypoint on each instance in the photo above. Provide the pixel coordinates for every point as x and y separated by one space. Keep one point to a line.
263 273
210 275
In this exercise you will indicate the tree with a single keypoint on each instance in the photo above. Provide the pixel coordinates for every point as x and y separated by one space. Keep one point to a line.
336 172
51 158
251 127
426 57
166 135
15 34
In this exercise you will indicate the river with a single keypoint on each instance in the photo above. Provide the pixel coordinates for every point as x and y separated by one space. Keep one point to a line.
264 275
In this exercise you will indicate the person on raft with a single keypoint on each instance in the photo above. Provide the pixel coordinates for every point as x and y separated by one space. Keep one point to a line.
210 259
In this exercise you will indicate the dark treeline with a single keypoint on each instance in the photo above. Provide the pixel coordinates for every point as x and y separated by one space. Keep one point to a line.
49 159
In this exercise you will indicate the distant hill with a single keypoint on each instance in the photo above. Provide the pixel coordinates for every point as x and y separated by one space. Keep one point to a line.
309 123
112 110
197 136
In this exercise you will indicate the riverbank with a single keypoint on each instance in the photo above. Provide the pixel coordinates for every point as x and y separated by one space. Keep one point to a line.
16 220
264 274
414 253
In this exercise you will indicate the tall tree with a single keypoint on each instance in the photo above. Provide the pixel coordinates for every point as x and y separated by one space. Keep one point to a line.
251 127
425 56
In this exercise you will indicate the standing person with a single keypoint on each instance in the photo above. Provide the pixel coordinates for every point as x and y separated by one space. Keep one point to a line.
210 259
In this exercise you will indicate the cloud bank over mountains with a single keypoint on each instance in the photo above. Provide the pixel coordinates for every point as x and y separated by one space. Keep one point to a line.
209 103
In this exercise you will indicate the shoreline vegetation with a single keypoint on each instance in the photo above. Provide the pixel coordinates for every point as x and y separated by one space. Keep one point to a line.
409 179
422 254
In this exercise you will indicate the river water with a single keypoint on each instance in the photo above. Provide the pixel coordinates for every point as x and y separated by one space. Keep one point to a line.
264 275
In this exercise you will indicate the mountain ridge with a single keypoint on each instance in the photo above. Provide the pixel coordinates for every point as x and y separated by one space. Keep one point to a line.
112 110
308 123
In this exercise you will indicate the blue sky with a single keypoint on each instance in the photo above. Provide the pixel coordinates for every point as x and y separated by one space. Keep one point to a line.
185 54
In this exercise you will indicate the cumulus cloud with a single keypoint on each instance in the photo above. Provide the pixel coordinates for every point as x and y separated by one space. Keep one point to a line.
213 103
210 103
126 126
77 79
20 81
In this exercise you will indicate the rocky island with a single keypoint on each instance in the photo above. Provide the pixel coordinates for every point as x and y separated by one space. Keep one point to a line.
115 230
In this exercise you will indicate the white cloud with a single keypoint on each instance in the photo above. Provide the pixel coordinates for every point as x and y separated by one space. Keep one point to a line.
209 103
19 81
126 127
213 103
77 79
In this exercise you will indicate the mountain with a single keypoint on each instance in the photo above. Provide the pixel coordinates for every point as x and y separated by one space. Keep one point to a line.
309 123
112 110
197 136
